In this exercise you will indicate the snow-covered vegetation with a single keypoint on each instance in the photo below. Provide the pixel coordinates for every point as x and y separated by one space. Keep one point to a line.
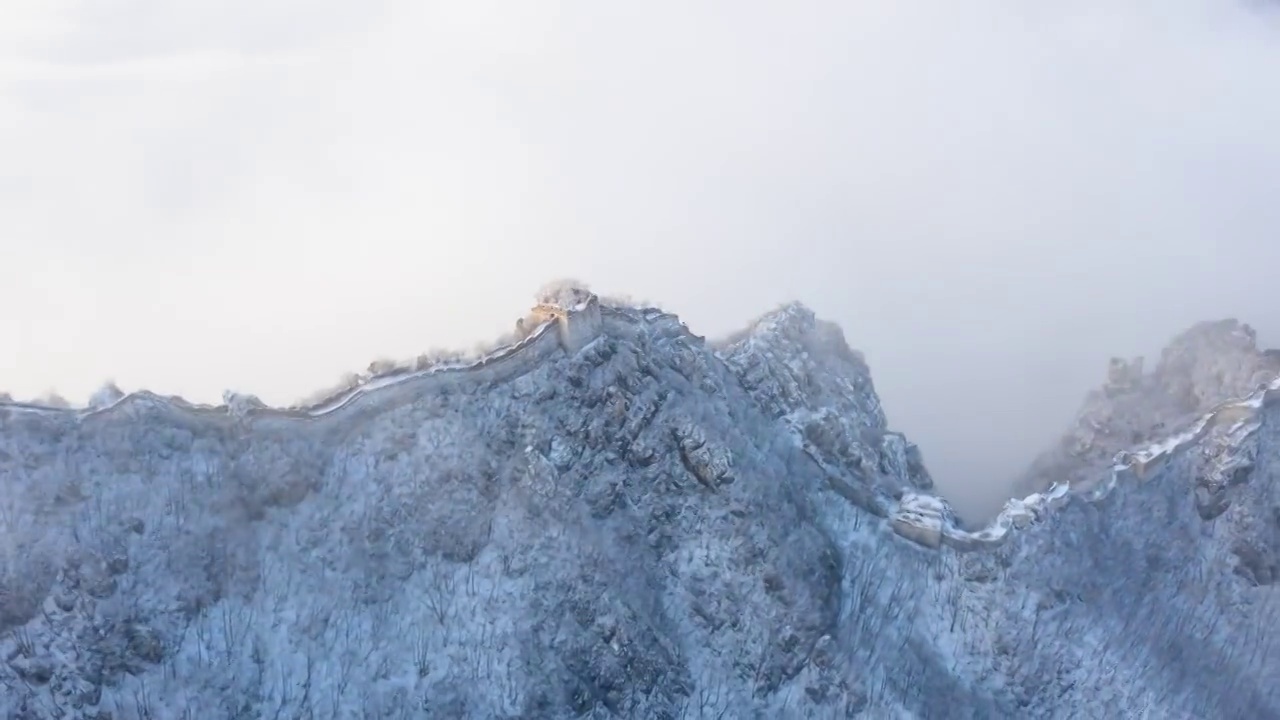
646 527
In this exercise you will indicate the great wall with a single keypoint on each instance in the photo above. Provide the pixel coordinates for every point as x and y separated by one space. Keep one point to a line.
577 318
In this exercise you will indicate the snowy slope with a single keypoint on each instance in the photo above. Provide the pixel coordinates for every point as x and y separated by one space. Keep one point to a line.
649 525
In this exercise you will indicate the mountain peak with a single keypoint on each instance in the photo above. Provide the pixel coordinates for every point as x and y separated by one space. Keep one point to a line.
606 516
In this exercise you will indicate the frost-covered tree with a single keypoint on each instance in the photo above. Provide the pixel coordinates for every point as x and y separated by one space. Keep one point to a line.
52 399
565 292
105 396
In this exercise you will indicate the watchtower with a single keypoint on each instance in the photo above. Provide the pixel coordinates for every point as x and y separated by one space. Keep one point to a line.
575 310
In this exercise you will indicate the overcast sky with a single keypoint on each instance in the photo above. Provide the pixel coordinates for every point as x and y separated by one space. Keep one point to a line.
992 197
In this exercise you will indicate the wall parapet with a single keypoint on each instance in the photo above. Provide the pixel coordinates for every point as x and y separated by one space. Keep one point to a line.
566 320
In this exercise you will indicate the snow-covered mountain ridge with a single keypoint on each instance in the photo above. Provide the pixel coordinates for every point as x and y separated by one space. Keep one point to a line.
612 517
922 517
1209 364
1223 434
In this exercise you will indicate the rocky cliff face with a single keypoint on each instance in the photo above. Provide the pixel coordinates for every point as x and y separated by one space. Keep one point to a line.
636 524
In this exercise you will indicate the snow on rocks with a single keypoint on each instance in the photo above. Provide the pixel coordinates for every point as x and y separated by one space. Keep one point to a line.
711 464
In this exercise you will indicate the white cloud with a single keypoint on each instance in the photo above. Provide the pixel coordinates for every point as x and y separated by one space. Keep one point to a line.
184 66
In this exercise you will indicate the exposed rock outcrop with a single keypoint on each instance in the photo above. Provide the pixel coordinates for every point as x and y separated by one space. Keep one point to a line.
801 370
